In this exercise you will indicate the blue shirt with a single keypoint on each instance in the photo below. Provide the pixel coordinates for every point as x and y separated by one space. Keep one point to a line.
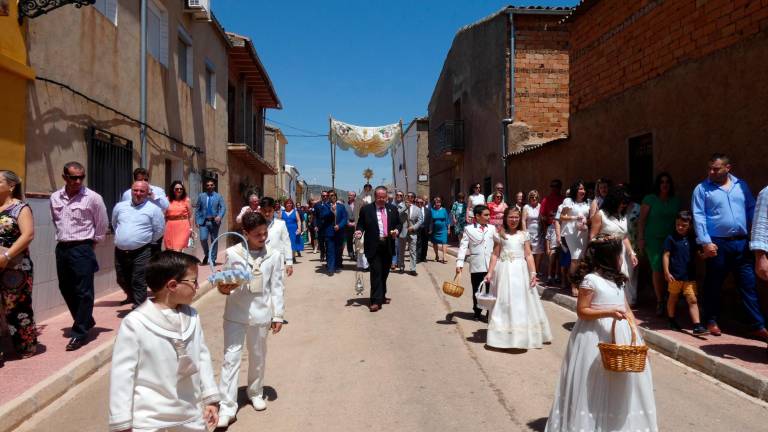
722 213
681 257
137 226
760 223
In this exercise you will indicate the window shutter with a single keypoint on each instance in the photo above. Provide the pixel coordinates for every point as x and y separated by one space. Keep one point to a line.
163 27
213 89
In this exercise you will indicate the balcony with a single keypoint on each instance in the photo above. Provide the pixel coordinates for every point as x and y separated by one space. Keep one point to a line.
248 154
450 137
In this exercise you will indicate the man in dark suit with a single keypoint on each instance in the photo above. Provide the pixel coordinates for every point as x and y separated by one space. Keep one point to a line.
319 225
379 224
209 213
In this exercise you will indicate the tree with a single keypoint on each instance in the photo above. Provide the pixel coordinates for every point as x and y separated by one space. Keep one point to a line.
368 175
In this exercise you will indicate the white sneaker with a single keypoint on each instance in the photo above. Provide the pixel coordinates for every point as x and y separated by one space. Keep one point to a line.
259 404
224 421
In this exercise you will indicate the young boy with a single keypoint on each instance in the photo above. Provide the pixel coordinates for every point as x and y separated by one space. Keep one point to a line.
251 311
162 376
680 272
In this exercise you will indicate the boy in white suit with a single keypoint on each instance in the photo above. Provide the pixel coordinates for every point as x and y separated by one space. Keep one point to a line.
147 391
252 309
478 241
278 238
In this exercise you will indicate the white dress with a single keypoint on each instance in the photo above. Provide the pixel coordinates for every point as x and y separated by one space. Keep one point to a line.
517 319
589 397
474 200
532 225
575 234
618 228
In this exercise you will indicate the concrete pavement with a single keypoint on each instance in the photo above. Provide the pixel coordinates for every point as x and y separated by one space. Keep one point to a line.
418 365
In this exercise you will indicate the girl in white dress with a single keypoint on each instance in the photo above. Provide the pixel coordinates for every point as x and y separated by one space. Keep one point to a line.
611 220
573 225
517 319
589 397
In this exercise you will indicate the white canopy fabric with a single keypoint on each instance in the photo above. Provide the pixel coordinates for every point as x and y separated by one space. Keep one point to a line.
364 140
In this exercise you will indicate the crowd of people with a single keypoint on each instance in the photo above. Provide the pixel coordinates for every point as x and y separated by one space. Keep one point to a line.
589 240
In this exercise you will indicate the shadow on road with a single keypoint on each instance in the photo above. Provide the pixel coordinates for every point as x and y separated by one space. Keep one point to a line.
358 301
448 319
569 325
538 425
478 336
270 394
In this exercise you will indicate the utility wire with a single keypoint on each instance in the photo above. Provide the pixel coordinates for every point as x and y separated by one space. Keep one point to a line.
296 128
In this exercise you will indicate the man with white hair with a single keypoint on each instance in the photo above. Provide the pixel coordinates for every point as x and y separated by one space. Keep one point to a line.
138 224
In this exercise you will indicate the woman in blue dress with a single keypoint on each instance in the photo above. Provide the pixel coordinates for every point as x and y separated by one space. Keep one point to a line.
440 222
293 223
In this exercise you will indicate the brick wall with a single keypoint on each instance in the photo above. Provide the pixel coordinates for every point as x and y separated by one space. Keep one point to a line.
541 74
618 45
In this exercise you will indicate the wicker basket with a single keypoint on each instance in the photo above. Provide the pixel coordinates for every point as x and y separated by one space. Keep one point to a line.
453 289
623 358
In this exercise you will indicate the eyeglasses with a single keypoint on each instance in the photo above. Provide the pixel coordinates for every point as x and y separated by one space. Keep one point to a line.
75 177
195 284
477 187
178 189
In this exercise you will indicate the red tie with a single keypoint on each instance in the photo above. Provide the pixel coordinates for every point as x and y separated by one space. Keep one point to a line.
384 221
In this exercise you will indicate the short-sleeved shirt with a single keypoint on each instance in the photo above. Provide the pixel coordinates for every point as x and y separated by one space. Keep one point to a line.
682 251
661 216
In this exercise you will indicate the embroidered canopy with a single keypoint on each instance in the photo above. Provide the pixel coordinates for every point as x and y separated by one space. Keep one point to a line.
364 140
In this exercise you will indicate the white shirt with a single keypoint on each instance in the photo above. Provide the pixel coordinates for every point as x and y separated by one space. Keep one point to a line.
145 389
278 239
246 307
136 226
478 243
160 200
382 233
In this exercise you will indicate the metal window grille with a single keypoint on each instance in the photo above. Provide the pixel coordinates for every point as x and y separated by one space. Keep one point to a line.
110 159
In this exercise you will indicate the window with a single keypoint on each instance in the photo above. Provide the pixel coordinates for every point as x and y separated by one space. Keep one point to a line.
108 8
210 83
110 157
184 57
641 165
157 32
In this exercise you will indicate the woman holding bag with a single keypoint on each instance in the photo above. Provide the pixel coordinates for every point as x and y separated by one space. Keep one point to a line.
517 319
589 397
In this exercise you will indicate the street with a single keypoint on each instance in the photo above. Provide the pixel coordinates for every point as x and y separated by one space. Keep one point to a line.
409 367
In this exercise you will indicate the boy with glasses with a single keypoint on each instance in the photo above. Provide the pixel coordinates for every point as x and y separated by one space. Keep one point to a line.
162 375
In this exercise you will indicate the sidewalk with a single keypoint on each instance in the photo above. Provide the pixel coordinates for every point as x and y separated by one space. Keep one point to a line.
736 360
31 384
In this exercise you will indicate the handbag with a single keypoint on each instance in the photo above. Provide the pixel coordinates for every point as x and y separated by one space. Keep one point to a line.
485 300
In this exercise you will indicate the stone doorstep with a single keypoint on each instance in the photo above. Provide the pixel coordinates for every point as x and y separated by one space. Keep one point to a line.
740 378
16 411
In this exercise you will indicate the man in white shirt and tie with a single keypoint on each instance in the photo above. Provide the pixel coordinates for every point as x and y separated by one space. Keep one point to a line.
478 242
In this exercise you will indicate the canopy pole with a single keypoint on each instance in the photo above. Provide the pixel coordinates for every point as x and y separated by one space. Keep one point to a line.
405 166
333 159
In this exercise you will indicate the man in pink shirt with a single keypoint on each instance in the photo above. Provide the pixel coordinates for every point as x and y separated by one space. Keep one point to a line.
80 218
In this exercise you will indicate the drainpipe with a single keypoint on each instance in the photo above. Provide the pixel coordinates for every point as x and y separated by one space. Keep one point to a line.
143 86
507 121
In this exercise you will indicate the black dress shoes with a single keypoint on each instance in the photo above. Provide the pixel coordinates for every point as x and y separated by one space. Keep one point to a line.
75 344
126 301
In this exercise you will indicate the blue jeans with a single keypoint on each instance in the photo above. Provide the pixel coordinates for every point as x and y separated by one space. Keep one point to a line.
397 251
209 230
733 256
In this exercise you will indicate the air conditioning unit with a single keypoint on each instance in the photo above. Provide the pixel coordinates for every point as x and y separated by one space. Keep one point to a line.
200 9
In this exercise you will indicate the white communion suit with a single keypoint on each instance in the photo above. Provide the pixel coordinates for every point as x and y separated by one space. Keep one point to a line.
250 310
161 371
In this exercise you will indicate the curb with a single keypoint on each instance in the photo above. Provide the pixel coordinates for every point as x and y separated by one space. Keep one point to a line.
735 376
16 411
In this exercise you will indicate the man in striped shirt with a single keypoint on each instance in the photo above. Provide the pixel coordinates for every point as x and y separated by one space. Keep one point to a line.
80 218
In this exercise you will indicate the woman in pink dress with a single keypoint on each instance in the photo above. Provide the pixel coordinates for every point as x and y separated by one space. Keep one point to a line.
178 218
497 207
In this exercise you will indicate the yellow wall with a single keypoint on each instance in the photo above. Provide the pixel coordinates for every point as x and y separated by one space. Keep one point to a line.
14 74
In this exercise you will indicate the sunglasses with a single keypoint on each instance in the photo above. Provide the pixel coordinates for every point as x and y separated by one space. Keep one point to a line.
75 177
178 189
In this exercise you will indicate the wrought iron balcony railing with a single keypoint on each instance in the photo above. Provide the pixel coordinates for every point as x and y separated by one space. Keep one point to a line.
450 137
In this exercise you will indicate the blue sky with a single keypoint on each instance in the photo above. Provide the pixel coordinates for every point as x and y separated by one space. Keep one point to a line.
364 62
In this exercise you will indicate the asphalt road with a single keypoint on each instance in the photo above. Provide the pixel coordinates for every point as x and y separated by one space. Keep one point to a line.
420 364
